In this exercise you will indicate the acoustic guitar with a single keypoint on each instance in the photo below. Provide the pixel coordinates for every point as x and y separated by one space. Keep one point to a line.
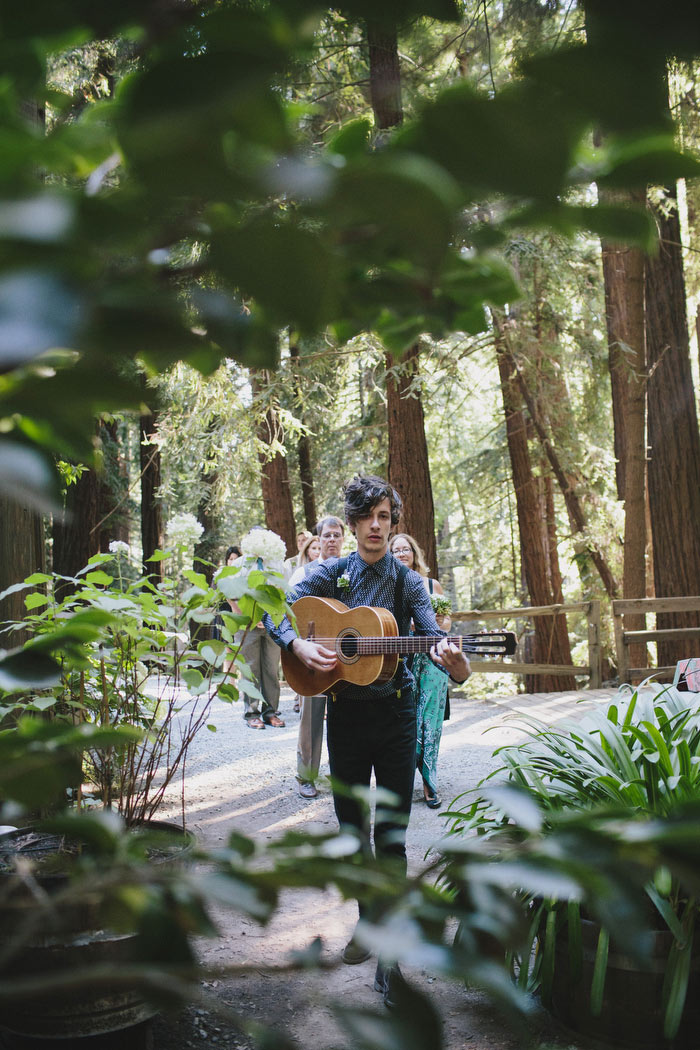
367 643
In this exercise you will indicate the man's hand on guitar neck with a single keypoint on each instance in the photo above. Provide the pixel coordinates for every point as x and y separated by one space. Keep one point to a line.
316 657
452 659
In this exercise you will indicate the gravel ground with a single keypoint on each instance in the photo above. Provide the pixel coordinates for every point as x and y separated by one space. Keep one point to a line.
243 779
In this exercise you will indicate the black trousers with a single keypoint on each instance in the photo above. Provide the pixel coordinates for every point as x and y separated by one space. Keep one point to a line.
380 736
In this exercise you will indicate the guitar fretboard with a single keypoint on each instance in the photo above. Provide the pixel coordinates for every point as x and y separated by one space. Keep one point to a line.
415 643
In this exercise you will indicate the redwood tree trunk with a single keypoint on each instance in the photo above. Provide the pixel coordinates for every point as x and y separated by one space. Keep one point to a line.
21 554
113 520
152 536
76 537
384 74
409 469
551 635
674 442
623 277
408 466
306 476
274 477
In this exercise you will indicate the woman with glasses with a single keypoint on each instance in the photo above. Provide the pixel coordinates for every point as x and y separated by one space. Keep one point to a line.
431 681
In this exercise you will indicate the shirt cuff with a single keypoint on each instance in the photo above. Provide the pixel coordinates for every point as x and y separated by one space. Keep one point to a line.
287 637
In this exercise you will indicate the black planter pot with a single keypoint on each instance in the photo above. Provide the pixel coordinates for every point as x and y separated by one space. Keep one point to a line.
72 938
632 1015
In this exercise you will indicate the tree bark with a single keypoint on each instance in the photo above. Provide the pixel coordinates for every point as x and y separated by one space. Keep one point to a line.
306 476
22 552
573 504
152 536
674 441
623 278
408 465
76 537
274 477
409 469
207 548
551 638
384 74
113 488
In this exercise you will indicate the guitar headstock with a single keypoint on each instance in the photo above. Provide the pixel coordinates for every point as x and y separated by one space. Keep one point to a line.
490 643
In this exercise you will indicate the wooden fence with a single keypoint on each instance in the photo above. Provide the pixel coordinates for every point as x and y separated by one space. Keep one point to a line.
593 670
623 638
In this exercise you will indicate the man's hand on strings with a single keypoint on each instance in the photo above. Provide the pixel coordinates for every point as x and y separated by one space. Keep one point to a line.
315 657
449 656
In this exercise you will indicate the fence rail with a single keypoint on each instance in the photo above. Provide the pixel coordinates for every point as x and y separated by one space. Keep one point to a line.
624 639
593 670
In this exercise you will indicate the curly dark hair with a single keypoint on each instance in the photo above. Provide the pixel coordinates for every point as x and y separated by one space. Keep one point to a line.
364 492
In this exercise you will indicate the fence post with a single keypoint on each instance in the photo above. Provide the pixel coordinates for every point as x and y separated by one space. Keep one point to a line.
623 660
595 653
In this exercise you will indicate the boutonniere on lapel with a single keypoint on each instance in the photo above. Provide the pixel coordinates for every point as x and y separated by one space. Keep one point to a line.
344 583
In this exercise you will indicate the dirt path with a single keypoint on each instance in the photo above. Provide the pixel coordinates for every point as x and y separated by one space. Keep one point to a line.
243 779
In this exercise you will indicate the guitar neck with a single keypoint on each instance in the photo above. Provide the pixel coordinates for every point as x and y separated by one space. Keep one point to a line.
493 642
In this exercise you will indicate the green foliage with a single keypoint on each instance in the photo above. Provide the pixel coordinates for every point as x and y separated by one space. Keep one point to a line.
196 196
105 664
640 758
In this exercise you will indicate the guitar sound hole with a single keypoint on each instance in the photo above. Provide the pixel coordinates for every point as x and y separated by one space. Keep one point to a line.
348 646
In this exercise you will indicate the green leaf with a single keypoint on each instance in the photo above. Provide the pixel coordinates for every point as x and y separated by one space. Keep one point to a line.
35 600
193 679
22 669
289 271
27 476
227 692
99 578
159 555
353 138
211 727
249 688
600 968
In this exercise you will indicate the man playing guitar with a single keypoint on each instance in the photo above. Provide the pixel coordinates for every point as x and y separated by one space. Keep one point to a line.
372 728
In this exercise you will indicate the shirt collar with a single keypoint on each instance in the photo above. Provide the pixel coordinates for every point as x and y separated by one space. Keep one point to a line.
381 567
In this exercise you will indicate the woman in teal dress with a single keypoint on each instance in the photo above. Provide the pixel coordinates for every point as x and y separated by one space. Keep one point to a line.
431 682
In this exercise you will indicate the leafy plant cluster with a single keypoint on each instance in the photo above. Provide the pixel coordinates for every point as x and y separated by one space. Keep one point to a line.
112 667
639 761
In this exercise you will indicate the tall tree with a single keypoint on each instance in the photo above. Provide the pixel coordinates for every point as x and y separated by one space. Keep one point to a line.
152 534
22 541
674 441
306 476
21 554
551 636
76 536
623 279
208 546
274 476
409 468
408 463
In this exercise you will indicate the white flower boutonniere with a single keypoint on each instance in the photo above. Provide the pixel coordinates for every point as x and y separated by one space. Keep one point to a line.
344 583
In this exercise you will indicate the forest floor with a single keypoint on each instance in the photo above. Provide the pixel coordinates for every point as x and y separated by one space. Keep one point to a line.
243 779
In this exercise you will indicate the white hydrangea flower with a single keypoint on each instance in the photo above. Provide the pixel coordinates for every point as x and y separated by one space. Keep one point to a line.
262 543
184 529
119 547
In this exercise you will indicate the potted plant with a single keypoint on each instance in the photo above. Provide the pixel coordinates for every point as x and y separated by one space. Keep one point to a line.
638 758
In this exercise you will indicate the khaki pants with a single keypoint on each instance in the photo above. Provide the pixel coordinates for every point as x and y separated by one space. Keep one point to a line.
310 739
263 657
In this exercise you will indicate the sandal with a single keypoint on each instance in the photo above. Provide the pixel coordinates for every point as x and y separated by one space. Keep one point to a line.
275 721
255 723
